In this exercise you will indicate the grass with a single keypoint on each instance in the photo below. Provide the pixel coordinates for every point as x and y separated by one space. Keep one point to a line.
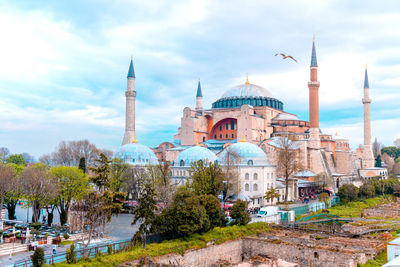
355 208
66 242
217 236
377 262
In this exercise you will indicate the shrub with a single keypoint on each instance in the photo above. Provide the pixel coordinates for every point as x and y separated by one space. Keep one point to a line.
109 249
66 236
71 254
348 192
38 257
239 214
366 190
36 225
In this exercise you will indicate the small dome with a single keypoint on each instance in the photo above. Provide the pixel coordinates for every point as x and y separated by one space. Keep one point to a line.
249 154
247 90
285 117
339 138
193 154
136 154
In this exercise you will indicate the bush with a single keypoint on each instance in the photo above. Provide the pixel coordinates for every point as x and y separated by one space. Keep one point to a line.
38 257
71 254
348 192
66 236
36 225
109 249
366 190
239 214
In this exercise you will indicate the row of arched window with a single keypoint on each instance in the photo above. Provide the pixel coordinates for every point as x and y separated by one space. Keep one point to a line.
247 187
257 101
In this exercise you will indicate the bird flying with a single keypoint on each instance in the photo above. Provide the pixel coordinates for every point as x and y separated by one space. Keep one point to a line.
285 57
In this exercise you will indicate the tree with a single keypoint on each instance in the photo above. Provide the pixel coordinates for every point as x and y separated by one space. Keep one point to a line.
73 184
160 175
348 192
271 194
144 212
392 151
376 148
231 173
46 159
82 164
397 143
7 175
38 187
287 160
378 161
184 216
12 196
38 258
16 159
388 160
4 153
118 171
133 180
324 197
28 158
71 254
239 214
206 178
213 210
366 190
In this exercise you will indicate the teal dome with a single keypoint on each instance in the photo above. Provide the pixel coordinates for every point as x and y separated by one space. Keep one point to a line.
193 154
136 154
246 154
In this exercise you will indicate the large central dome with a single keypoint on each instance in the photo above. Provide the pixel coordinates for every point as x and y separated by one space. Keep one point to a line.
247 94
247 90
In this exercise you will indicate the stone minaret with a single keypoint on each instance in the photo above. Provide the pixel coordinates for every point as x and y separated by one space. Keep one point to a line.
130 94
368 156
313 86
199 98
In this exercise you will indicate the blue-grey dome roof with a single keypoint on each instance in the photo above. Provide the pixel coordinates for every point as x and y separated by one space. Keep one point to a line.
248 154
136 154
193 154
247 90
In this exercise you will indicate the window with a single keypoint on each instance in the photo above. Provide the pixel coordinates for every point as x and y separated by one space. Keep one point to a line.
182 163
255 176
246 187
226 136
220 127
255 187
246 176
250 163
227 126
215 136
220 136
267 175
204 139
232 125
233 136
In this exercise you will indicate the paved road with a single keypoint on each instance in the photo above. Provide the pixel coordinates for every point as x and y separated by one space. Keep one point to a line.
120 228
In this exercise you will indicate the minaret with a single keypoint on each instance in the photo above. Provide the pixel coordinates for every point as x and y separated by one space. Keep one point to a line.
313 86
368 156
130 95
199 98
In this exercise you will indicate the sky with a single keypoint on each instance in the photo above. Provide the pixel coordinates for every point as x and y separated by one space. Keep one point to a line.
63 64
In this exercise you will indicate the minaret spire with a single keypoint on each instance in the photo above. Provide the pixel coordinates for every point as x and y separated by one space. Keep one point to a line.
130 94
199 98
367 157
313 86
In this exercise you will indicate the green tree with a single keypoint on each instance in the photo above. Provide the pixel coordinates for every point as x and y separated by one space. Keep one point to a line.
38 258
392 151
73 184
144 212
82 164
366 190
206 178
12 197
348 192
118 171
16 159
71 254
239 214
271 194
378 161
213 210
184 216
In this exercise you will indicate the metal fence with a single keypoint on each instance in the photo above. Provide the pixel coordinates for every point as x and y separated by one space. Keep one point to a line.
81 253
315 206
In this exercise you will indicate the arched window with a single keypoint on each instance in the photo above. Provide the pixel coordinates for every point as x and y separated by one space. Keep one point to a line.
204 139
255 187
250 163
246 187
246 176
255 176
182 163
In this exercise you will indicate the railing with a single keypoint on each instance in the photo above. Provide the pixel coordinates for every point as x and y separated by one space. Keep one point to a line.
81 253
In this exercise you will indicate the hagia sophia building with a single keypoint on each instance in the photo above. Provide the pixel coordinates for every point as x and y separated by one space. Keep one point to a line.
249 121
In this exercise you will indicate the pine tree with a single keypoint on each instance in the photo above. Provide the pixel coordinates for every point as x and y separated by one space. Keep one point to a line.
82 164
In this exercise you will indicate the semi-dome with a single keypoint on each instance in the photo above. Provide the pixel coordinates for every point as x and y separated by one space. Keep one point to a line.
193 154
136 154
245 153
247 94
285 117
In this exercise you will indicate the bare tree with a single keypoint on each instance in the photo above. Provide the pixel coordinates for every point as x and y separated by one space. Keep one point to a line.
376 147
7 175
231 172
397 142
161 179
69 153
4 153
389 161
288 162
46 159
38 187
133 181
